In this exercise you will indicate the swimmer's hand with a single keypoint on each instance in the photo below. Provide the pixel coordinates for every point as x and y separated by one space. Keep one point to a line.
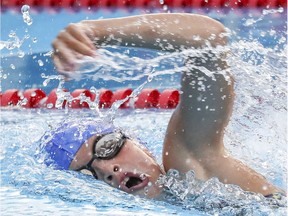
71 44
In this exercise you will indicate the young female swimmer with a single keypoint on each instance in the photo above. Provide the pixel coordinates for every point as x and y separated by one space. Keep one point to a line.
194 137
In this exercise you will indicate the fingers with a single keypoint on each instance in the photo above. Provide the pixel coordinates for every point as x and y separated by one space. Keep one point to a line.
77 40
80 36
70 45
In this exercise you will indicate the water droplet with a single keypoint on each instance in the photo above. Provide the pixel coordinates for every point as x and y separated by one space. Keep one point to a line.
272 32
25 9
34 40
12 66
25 14
165 7
249 22
142 176
33 94
21 54
150 78
263 34
282 40
40 63
50 105
12 34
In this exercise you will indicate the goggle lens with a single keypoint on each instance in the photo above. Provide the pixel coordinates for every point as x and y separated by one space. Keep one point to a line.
109 145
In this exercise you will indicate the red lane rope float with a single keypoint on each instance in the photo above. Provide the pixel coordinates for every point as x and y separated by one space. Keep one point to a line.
33 96
105 98
148 98
145 3
76 103
81 98
120 95
169 99
50 101
11 97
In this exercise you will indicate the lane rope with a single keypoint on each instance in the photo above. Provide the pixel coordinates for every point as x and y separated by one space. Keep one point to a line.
144 3
84 98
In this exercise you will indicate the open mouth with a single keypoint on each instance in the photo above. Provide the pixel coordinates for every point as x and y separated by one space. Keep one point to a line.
132 182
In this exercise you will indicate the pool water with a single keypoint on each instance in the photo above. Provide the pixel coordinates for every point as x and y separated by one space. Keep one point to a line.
257 133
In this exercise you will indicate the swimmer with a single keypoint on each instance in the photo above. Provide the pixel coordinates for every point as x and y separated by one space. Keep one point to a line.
194 136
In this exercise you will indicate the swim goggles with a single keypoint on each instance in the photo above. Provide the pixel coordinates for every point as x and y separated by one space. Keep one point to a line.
105 147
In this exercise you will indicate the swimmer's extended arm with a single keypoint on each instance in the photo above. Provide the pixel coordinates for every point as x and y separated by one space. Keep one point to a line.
167 32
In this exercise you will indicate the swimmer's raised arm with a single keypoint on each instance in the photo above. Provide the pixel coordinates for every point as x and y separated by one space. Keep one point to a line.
167 32
194 138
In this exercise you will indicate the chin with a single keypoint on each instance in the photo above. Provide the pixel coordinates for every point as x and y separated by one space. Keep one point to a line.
152 191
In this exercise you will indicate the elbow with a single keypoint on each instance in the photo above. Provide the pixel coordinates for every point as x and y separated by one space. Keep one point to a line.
210 31
218 34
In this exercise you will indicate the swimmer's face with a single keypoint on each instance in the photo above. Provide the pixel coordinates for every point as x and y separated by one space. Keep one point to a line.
132 170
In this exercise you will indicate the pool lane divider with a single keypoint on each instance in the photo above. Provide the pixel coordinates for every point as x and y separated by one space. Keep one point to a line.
82 98
145 3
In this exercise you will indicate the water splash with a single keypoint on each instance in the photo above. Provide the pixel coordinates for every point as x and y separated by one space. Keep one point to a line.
13 43
215 197
119 67
25 10
251 22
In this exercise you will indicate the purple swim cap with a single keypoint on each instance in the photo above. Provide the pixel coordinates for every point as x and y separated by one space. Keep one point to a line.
62 143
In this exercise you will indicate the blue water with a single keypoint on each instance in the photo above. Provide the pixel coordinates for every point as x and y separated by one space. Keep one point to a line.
257 133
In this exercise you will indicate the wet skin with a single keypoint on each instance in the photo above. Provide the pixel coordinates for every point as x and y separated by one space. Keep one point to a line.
132 170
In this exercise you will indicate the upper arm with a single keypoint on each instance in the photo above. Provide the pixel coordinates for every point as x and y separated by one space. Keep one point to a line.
206 103
195 131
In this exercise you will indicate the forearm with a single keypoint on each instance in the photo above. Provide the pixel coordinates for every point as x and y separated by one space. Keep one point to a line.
232 171
167 32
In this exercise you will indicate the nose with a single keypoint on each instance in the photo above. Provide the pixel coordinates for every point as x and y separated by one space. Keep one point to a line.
110 175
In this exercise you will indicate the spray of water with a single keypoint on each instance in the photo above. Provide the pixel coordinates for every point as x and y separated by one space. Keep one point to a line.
258 124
